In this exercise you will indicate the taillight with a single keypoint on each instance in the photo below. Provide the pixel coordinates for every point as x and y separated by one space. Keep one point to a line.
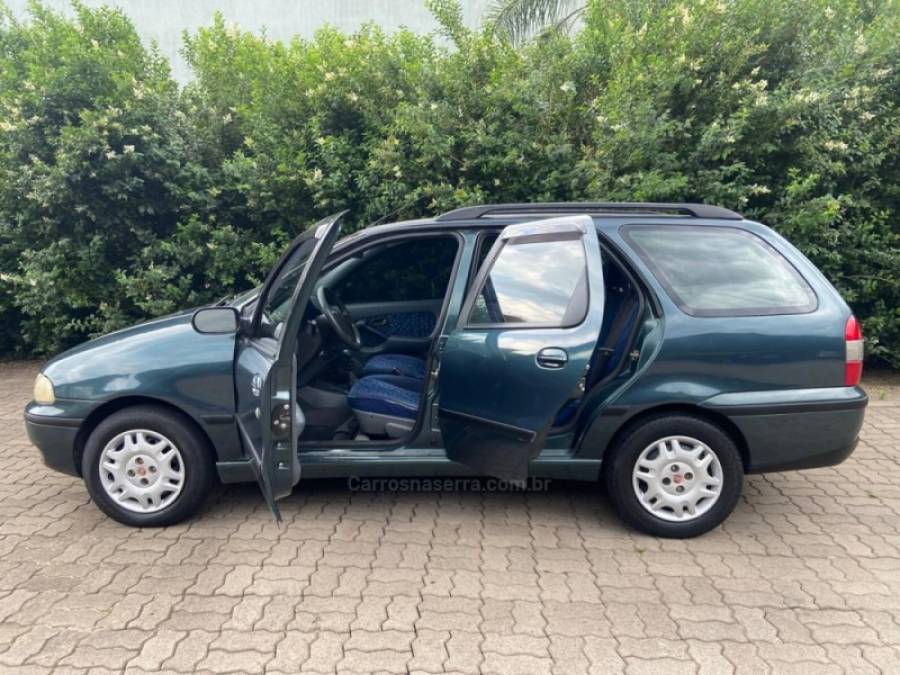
853 339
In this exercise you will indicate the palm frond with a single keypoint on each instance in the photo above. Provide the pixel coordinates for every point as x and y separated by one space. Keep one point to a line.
518 20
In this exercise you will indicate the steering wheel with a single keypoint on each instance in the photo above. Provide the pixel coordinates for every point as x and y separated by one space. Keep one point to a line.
339 319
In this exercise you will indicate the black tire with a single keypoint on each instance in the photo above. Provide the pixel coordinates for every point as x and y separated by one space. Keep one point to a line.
618 475
197 464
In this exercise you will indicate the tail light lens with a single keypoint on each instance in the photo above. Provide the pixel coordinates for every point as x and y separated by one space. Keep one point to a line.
853 339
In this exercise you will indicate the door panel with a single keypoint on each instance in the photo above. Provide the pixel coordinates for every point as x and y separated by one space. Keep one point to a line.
523 344
269 419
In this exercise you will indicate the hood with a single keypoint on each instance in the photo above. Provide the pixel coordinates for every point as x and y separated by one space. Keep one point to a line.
139 328
131 359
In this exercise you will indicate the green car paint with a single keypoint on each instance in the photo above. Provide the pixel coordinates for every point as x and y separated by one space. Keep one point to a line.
776 382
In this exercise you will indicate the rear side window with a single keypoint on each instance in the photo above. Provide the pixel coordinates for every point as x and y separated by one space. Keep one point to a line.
485 242
721 271
538 283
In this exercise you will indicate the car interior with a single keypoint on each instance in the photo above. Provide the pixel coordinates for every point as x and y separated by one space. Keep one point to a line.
362 356
363 353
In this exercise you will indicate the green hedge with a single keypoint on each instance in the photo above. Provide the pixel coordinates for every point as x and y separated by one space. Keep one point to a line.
123 196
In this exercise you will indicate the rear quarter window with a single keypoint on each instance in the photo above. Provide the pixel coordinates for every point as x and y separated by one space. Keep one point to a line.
721 271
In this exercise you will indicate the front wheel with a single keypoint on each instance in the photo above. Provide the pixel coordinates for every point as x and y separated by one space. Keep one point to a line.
147 466
675 476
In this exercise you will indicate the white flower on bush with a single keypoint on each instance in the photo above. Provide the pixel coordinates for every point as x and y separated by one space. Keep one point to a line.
128 149
568 87
807 96
111 154
839 146
317 175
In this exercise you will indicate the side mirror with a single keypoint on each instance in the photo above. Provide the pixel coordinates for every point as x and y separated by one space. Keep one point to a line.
215 320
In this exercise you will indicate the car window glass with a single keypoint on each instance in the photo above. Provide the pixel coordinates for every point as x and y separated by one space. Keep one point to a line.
281 291
716 271
417 269
487 241
483 247
534 283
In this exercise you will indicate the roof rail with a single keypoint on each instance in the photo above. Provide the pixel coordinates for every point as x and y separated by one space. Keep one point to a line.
562 208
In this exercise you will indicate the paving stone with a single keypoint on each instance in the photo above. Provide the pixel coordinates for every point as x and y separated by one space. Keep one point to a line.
803 578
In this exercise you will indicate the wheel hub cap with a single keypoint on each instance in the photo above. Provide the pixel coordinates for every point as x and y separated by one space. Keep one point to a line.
141 471
677 478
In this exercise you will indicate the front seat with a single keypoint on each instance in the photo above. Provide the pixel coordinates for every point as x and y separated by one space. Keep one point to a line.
386 405
403 365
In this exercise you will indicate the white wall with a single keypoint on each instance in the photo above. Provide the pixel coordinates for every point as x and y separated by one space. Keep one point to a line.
165 20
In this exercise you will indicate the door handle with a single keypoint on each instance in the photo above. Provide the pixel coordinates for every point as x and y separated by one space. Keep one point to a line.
552 357
378 323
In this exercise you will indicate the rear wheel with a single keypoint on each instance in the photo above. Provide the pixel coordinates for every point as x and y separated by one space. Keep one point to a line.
147 466
675 476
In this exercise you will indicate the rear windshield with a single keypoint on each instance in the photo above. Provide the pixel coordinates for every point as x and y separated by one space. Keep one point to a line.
721 271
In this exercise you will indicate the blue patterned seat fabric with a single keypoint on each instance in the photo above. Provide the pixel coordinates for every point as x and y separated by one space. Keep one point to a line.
386 395
396 364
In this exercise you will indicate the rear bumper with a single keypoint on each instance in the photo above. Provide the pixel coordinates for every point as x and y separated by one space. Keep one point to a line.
795 429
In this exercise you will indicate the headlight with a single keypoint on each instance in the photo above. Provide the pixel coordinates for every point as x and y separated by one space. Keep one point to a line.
43 390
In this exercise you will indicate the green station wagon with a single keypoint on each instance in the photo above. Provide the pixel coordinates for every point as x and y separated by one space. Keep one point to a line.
665 349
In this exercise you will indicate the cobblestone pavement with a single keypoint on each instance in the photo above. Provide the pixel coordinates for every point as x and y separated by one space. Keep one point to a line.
804 577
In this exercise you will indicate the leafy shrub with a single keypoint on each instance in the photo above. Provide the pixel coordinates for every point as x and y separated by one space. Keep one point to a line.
123 196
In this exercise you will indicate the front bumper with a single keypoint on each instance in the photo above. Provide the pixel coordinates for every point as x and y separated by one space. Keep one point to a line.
55 435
